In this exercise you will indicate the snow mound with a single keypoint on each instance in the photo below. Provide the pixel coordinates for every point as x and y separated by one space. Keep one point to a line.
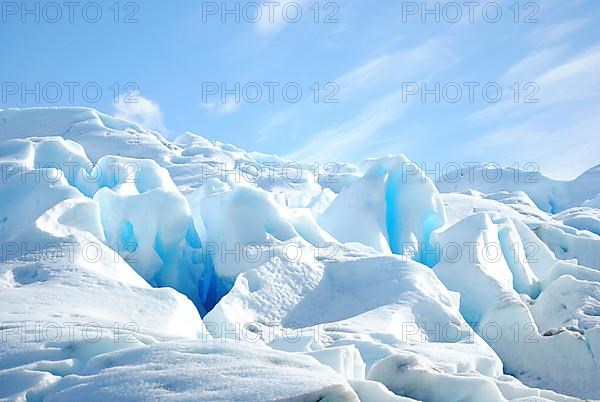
201 371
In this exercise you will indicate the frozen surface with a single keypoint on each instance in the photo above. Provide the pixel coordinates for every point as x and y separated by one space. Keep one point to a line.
137 268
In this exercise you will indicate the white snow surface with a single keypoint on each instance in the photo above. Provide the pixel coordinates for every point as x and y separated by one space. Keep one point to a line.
137 268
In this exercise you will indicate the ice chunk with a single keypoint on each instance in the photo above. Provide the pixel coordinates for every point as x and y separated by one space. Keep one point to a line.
473 264
345 360
240 227
585 249
568 302
581 218
393 208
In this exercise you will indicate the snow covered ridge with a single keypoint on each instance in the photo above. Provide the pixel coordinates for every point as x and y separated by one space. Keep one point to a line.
137 268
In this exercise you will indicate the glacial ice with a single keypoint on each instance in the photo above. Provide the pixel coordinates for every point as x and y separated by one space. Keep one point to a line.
133 267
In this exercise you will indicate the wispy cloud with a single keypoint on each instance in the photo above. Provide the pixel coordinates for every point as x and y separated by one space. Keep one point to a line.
534 64
227 107
563 126
572 81
141 110
273 122
391 68
277 14
375 76
557 32
343 141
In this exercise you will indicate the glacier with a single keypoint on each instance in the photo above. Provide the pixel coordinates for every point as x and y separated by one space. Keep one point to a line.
139 268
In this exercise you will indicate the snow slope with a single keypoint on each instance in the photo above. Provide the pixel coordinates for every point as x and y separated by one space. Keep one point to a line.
137 268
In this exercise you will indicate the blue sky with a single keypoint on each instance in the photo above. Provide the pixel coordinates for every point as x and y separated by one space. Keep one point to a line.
373 58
